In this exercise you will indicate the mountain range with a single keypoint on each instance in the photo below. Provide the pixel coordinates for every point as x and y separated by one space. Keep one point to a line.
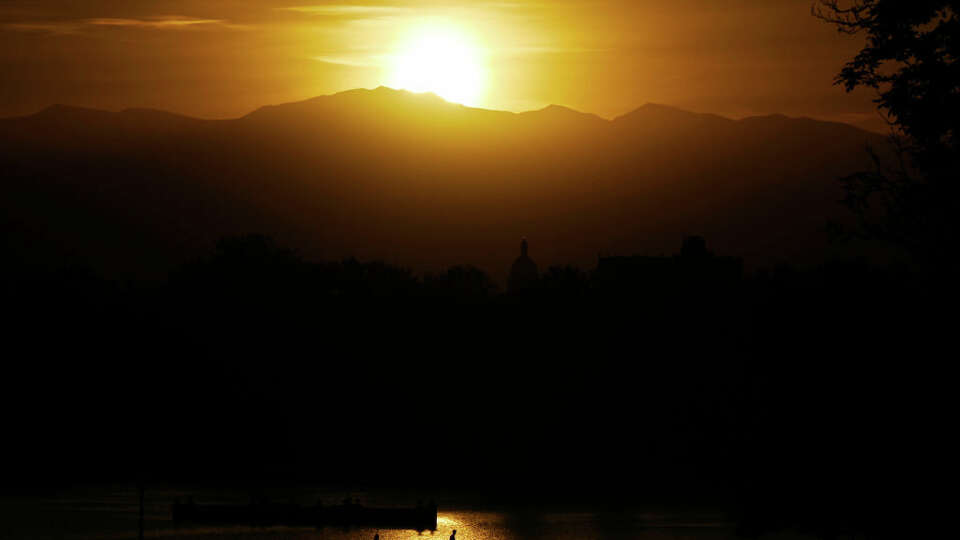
414 180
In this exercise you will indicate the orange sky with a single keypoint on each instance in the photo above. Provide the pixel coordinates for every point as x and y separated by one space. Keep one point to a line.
223 58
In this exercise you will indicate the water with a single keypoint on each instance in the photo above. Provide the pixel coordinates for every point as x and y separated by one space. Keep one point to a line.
112 512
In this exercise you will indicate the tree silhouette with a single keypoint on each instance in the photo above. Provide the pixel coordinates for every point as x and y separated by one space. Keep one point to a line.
910 60
461 283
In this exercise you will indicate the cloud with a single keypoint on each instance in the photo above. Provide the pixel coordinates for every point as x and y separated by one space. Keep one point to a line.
53 27
400 8
160 22
349 10
353 61
553 50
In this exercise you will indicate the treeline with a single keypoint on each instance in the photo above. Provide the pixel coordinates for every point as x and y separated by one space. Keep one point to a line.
673 378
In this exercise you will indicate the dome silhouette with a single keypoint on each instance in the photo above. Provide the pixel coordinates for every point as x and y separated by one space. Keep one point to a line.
523 273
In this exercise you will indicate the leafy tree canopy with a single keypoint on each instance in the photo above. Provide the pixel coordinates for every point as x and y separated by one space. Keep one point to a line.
910 59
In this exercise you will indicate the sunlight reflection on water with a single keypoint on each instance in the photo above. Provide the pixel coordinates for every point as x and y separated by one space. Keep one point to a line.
112 513
479 525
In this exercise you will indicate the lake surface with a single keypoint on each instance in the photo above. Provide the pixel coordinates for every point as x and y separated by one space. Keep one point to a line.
112 512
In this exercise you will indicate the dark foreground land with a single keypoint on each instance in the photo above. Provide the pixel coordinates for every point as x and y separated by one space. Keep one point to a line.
101 511
783 399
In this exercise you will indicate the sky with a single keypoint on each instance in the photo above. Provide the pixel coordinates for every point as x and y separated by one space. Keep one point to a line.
224 58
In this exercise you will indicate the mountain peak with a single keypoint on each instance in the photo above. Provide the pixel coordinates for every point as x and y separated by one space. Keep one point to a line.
60 112
60 108
659 108
558 109
386 91
561 112
147 112
650 106
363 101
667 113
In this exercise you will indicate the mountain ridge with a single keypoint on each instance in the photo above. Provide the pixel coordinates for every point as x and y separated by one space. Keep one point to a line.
645 110
415 180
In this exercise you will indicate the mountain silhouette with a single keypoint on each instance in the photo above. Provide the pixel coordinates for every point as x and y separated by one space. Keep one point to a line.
413 179
564 117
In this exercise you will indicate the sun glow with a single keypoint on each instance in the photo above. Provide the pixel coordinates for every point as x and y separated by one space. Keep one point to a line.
443 61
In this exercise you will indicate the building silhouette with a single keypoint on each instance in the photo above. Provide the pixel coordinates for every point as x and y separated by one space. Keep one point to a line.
693 268
523 273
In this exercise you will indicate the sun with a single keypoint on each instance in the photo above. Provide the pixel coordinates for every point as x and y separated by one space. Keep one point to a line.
443 61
